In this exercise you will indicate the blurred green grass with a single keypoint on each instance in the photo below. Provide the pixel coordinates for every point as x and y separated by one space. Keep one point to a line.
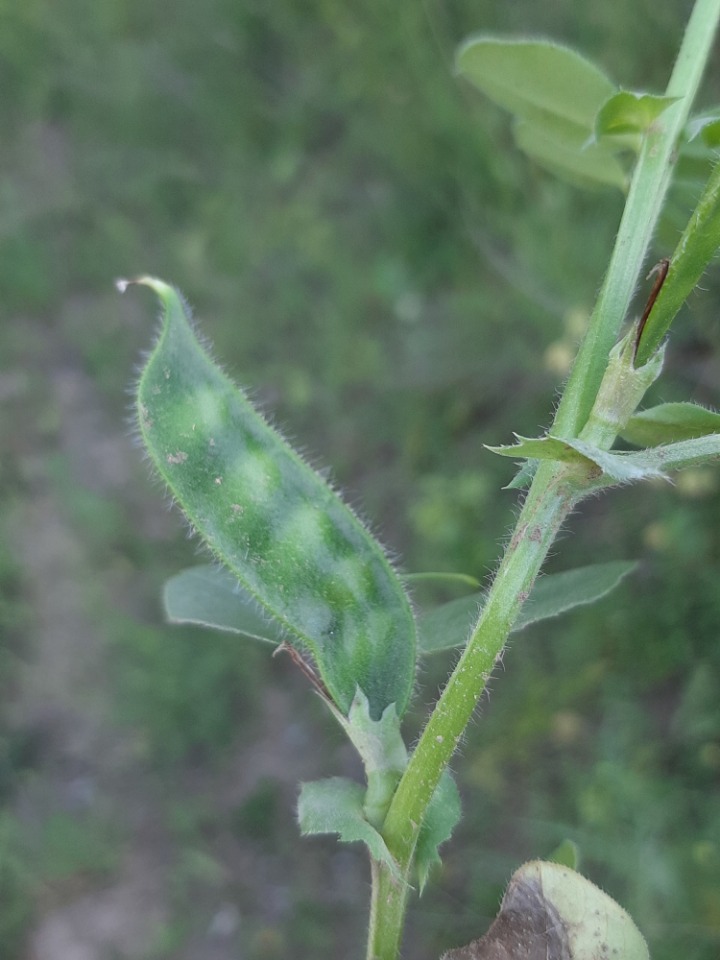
399 287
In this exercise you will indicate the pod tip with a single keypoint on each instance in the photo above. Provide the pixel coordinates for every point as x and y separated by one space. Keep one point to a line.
159 286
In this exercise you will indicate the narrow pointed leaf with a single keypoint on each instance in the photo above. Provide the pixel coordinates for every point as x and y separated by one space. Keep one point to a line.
619 467
669 423
555 593
211 597
549 911
275 523
335 805
604 468
627 112
539 448
443 815
524 477
449 625
443 579
696 248
676 456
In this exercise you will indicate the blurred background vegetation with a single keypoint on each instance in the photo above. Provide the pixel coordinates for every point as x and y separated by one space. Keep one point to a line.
398 286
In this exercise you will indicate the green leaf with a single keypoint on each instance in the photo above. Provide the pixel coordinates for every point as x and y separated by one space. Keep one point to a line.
603 468
627 113
442 579
449 625
675 456
696 248
583 163
550 911
211 597
539 448
708 126
336 806
554 94
694 165
669 423
443 815
618 467
567 854
711 134
524 477
275 523
536 80
555 593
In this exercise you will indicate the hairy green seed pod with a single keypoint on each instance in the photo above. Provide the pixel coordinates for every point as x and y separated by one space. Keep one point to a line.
273 521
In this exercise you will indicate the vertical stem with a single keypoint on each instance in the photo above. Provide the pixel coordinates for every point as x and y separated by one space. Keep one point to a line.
645 198
549 499
545 509
389 901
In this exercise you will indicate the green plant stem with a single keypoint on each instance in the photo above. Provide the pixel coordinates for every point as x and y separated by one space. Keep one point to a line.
650 181
696 248
383 935
549 499
545 509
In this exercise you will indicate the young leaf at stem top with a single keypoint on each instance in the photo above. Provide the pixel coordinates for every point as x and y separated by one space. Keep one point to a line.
630 113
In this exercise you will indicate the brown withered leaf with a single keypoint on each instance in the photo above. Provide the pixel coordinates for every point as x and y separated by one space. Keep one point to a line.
528 927
550 912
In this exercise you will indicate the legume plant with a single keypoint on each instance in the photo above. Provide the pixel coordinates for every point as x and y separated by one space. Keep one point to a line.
295 566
